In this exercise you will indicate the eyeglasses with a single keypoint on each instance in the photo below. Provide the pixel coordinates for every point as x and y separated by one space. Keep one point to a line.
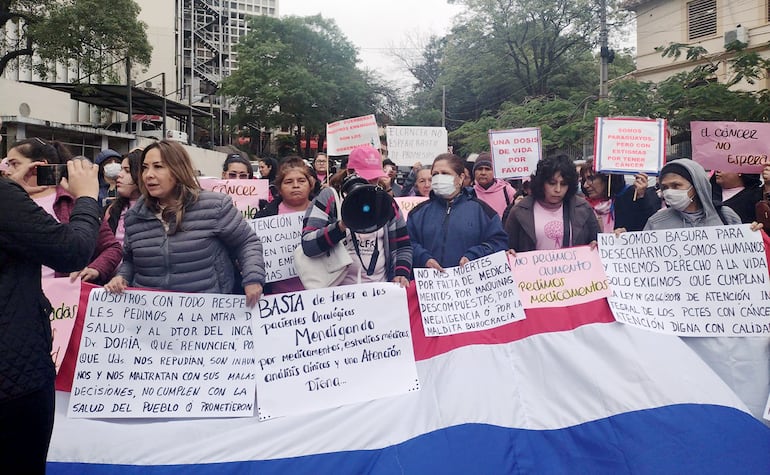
234 175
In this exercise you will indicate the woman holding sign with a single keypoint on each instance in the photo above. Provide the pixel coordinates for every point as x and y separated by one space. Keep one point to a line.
181 238
452 228
295 182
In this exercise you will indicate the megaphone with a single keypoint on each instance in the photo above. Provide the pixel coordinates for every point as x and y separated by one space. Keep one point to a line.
365 207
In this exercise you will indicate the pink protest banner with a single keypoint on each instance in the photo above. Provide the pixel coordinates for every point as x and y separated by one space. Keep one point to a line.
245 193
731 146
629 145
559 278
63 296
407 203
515 152
345 135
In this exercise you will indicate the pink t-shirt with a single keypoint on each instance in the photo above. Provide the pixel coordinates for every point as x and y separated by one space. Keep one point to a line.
289 285
549 227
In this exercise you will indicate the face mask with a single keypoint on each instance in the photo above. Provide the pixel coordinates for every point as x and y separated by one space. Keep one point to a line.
677 199
443 185
111 170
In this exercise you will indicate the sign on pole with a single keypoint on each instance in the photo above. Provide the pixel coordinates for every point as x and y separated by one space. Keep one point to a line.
345 135
408 145
515 152
629 145
246 194
739 147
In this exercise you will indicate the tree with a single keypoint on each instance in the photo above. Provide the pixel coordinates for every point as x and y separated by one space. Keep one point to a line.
92 33
299 72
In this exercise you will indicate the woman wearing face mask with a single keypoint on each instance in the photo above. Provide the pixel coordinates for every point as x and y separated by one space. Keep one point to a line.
384 255
109 167
452 228
128 193
552 216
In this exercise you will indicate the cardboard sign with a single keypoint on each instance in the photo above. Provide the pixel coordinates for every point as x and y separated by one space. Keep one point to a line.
246 194
408 145
164 354
739 147
407 203
63 296
629 145
345 135
515 152
324 348
480 295
710 281
279 234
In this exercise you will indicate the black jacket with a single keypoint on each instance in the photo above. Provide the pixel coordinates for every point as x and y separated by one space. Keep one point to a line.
29 238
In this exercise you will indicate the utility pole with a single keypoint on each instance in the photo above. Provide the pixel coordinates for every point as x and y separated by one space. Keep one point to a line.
443 106
604 50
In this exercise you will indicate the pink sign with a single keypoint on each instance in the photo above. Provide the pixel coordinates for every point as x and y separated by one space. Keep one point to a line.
245 193
629 145
731 146
407 203
559 278
63 296
515 152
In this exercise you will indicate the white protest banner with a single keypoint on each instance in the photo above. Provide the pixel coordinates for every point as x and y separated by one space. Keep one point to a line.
739 147
480 295
279 234
408 203
407 145
345 135
164 354
560 277
766 413
629 145
64 296
246 194
708 281
515 152
324 348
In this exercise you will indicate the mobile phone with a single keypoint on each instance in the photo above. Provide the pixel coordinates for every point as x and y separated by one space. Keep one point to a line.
50 175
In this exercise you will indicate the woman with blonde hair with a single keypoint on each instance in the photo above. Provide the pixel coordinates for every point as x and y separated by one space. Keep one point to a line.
181 238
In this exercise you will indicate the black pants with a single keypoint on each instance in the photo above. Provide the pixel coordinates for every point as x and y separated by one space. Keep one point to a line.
26 424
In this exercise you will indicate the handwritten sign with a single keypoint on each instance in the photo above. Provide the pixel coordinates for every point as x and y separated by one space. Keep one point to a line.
690 282
559 278
345 135
324 348
408 203
515 152
629 145
477 296
739 147
407 145
163 354
64 296
245 193
279 234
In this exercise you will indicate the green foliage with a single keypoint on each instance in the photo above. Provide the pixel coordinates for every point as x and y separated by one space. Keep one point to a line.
92 33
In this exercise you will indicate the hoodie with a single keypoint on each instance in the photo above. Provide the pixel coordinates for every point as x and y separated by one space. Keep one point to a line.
498 196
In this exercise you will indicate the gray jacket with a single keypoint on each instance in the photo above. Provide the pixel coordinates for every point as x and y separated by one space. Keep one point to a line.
199 256
670 218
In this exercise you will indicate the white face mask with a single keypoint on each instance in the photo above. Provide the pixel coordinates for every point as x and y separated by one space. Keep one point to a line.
111 170
677 199
443 185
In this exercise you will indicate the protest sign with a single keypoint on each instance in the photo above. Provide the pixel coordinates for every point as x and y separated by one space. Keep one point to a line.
559 278
345 135
739 147
164 354
407 203
279 234
708 281
324 348
408 145
63 296
245 193
515 152
629 145
480 295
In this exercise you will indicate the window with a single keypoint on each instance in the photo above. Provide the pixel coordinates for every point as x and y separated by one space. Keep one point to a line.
701 19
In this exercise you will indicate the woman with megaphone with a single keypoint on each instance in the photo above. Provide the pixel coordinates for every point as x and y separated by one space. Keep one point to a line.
452 227
369 224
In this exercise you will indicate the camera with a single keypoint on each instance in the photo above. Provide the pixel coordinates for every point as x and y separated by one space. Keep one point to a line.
365 207
50 175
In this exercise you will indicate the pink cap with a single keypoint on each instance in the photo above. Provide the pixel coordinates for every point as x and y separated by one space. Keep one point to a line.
367 162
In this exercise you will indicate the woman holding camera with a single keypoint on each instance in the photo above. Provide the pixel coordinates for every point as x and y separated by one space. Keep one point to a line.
453 228
384 255
34 156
